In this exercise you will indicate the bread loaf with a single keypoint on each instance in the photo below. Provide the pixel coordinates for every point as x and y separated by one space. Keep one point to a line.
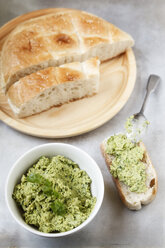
54 86
54 39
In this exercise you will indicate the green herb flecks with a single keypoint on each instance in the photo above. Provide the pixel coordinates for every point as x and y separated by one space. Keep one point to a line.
127 164
47 187
58 207
136 128
54 195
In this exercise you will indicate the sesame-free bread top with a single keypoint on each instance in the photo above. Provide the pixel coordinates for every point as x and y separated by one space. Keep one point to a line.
54 39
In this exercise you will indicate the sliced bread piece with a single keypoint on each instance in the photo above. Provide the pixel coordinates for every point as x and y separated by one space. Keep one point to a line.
133 200
54 39
54 86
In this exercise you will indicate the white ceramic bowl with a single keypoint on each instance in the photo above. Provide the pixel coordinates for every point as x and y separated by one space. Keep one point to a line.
84 161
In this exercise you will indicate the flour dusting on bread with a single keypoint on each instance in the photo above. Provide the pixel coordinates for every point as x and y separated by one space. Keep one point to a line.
54 39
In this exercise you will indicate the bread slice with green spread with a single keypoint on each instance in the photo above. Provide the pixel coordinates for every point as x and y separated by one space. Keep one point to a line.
130 195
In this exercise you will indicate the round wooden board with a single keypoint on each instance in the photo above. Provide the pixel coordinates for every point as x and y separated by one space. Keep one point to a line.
117 79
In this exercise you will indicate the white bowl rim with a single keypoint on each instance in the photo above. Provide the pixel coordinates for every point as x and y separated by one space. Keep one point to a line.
87 221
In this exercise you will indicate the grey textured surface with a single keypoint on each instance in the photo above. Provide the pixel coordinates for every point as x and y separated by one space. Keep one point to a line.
114 226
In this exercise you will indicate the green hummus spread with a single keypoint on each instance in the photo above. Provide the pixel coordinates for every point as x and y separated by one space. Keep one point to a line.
55 195
135 128
127 163
129 125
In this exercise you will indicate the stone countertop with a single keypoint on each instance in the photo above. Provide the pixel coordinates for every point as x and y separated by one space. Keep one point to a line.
114 226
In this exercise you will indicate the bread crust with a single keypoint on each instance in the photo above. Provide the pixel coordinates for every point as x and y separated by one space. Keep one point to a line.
54 86
153 184
54 39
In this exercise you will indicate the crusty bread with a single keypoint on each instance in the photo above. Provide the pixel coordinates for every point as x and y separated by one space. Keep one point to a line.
54 86
54 39
133 200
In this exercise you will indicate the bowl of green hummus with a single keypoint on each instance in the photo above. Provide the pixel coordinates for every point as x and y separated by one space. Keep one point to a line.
54 190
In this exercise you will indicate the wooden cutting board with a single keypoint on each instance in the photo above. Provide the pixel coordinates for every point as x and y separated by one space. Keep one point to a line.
116 84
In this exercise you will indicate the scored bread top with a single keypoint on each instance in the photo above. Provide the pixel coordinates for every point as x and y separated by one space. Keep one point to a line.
62 36
30 86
